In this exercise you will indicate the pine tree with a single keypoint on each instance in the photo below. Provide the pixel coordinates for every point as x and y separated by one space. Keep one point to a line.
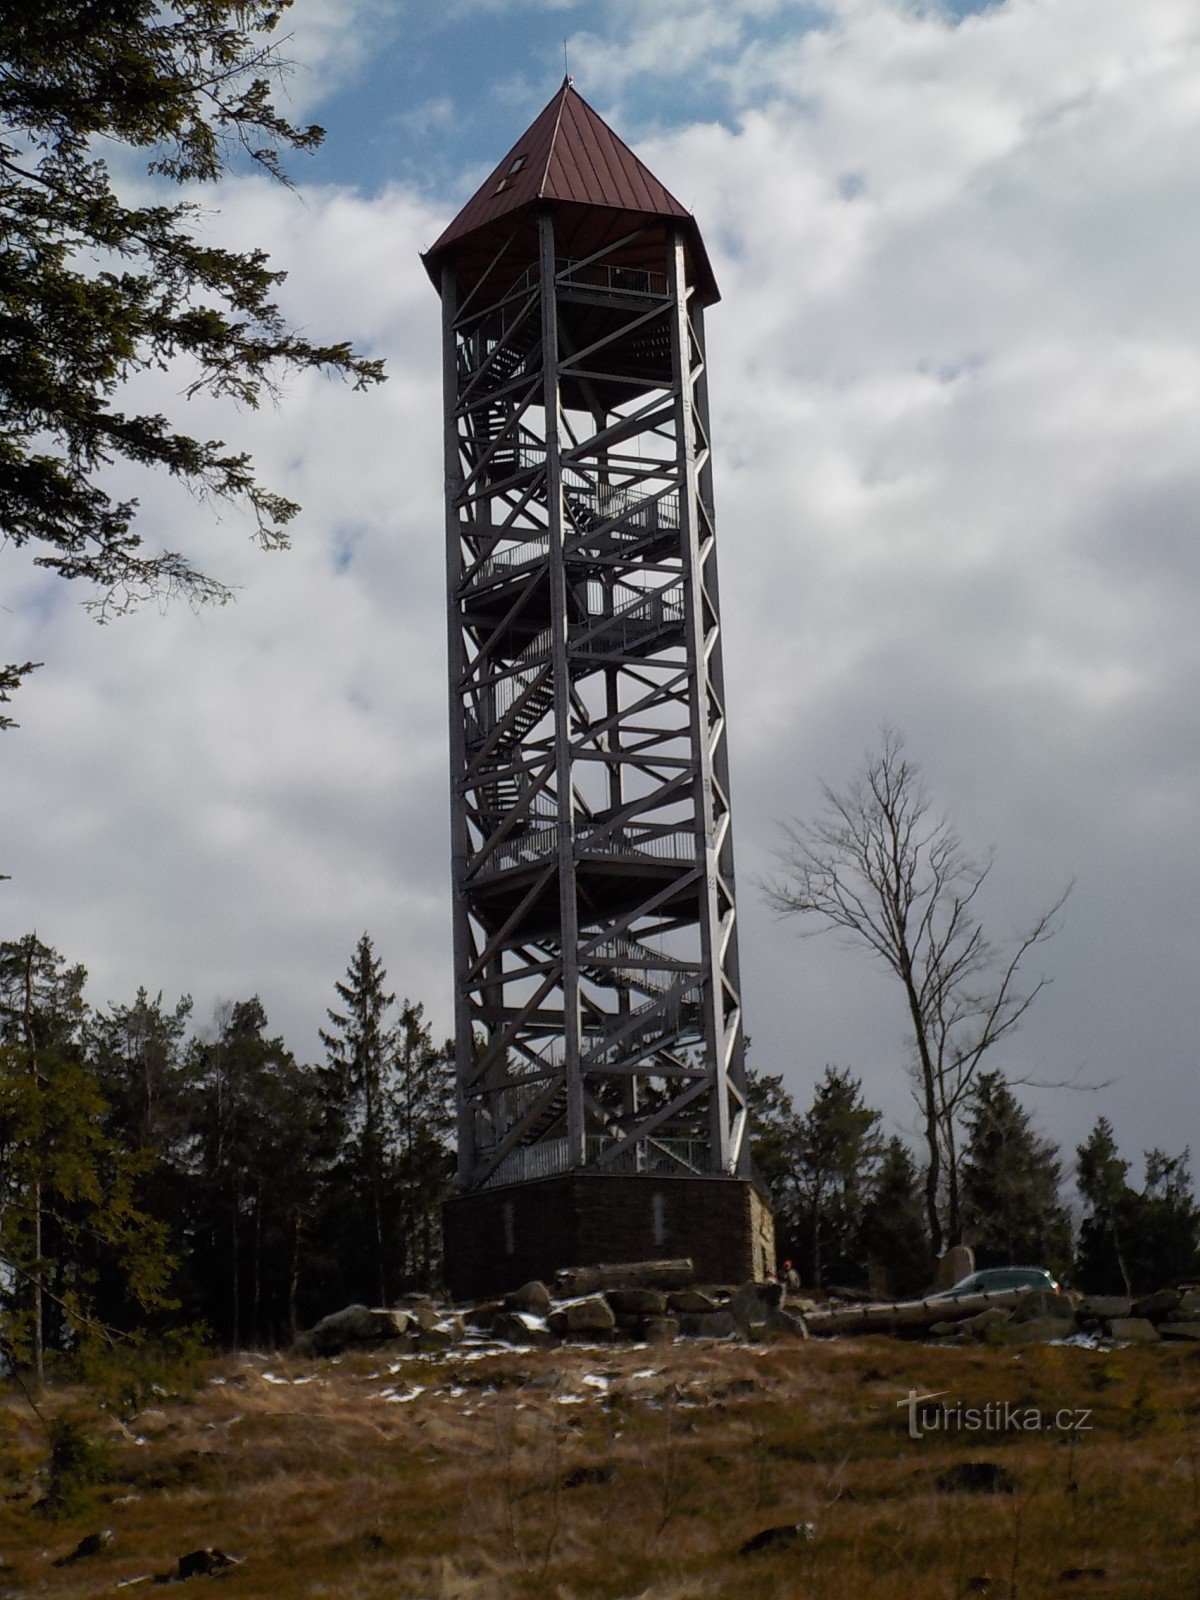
1010 1183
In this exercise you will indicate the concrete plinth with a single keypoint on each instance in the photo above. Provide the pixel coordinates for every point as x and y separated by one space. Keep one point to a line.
497 1239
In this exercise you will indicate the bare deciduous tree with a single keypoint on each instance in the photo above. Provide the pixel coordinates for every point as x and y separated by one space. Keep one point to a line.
882 866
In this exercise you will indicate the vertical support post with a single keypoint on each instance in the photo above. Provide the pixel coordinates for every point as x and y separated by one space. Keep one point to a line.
728 967
689 528
459 843
559 622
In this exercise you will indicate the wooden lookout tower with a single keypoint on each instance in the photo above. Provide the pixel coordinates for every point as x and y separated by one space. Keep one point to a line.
601 1092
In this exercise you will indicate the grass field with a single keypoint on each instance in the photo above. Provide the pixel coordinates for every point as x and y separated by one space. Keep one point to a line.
623 1472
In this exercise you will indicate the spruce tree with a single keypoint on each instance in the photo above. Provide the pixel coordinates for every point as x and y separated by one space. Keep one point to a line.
255 1117
1010 1183
360 1052
423 1100
838 1150
895 1238
1102 1255
102 281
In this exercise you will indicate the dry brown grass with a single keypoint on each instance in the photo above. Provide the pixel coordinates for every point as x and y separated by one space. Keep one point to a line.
510 1477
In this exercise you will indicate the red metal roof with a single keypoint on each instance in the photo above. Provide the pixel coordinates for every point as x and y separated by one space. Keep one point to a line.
569 155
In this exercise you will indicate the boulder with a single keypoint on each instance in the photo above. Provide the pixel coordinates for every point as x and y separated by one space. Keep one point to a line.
432 1337
1189 1303
589 1314
691 1302
1039 1303
637 1302
1161 1304
751 1306
206 1563
978 1325
1038 1330
533 1296
354 1326
788 1323
521 1327
483 1314
1179 1330
708 1325
1105 1305
957 1263
660 1330
1133 1330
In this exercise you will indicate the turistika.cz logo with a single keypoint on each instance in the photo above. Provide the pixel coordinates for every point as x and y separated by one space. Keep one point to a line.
997 1416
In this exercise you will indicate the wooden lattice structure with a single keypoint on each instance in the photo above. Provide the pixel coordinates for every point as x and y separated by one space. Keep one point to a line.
598 1019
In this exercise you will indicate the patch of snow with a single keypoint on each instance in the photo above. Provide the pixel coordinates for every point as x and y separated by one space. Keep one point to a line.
271 1377
394 1398
595 1380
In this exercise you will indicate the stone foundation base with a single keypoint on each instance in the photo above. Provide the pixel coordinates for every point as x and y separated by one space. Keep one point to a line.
498 1239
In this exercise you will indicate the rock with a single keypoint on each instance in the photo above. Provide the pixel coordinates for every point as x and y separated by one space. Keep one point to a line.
589 1314
1037 1331
752 1304
627 1275
521 1327
693 1302
206 1563
1157 1305
661 1330
439 1336
1189 1303
1041 1303
978 1325
355 1325
483 1314
781 1538
637 1302
1179 1330
1133 1330
1105 1305
957 1263
789 1323
708 1325
532 1296
976 1477
90 1545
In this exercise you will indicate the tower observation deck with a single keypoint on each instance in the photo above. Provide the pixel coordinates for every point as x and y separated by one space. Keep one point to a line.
601 1094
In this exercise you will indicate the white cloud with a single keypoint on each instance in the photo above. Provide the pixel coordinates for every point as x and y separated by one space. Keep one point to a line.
955 379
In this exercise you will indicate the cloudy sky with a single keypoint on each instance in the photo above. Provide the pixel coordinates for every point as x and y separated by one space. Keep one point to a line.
956 386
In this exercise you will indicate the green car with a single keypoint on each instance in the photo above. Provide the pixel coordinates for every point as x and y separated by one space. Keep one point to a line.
991 1280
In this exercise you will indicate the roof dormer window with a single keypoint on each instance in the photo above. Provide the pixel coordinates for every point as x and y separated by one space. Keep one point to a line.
511 174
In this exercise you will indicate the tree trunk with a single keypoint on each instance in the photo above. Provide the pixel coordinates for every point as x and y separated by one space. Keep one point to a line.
294 1276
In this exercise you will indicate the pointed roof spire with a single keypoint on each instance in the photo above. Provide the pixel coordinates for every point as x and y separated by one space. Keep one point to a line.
570 156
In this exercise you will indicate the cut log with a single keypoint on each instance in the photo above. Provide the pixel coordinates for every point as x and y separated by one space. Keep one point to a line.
896 1315
627 1275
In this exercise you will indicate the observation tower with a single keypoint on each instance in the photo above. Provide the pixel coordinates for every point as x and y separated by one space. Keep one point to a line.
601 1092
